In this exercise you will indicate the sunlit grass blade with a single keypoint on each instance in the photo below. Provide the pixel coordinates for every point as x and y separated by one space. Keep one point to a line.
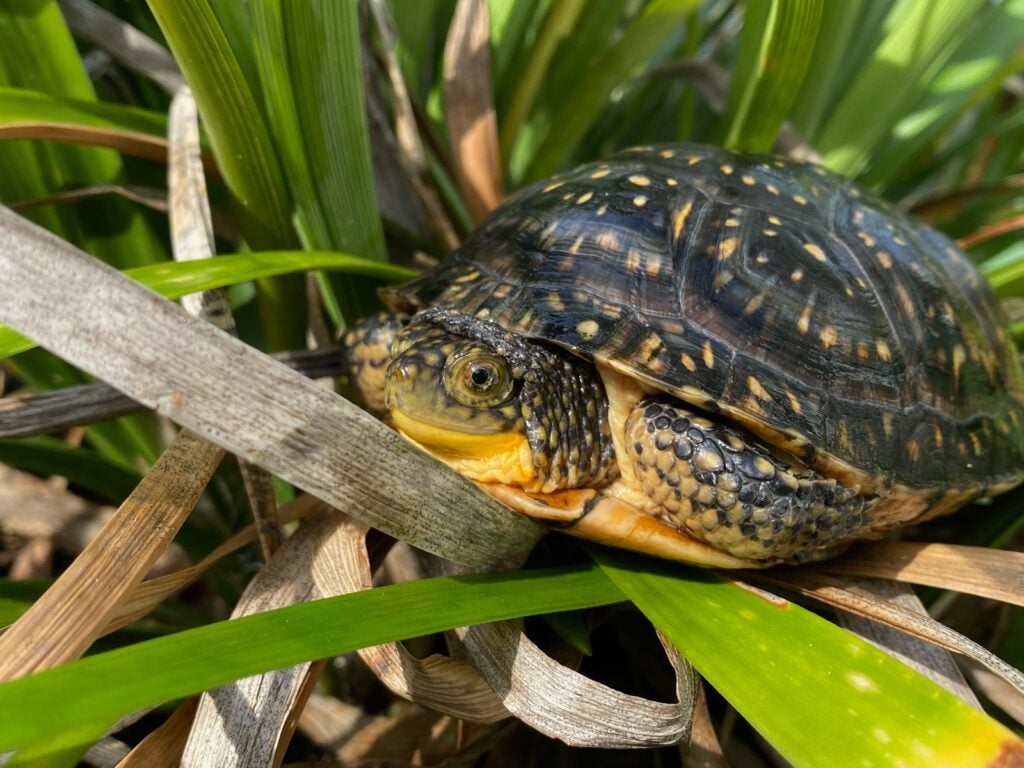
235 124
311 76
101 688
580 107
988 54
775 50
919 38
176 279
842 696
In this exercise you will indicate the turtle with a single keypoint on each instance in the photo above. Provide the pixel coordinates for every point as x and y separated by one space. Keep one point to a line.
731 360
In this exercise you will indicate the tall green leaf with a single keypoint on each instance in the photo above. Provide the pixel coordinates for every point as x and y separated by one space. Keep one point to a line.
775 50
919 38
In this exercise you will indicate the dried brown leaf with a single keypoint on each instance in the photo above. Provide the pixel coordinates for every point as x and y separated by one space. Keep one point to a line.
469 108
71 614
249 722
994 573
163 747
443 684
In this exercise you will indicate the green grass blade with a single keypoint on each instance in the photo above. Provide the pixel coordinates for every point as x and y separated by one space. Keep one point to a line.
579 108
919 38
818 694
175 279
234 122
101 688
309 60
1005 271
845 40
231 118
989 53
22 105
775 50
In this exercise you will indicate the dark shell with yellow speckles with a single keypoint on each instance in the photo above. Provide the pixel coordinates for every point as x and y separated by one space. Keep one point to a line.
776 292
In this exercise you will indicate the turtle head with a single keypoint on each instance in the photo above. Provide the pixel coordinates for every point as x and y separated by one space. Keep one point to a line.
495 407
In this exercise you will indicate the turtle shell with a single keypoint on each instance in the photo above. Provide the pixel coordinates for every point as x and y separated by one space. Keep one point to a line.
775 293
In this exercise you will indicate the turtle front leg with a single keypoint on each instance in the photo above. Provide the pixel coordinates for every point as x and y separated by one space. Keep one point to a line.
367 355
724 487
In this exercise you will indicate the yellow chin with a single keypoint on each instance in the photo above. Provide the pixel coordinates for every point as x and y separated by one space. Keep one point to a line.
503 457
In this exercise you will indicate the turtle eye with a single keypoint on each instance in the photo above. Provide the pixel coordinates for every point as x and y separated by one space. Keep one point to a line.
478 379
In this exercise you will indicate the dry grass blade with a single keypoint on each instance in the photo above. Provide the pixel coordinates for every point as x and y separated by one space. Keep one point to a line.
65 621
932 661
150 593
703 749
192 239
163 747
54 410
438 682
998 691
126 44
837 595
249 722
994 573
1012 224
469 108
133 143
155 352
152 198
563 704
411 150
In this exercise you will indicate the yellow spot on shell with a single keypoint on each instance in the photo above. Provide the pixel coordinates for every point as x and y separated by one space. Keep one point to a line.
829 336
775 220
688 362
793 402
640 181
607 240
640 201
772 188
769 232
671 182
732 222
727 248
938 435
976 443
905 301
867 239
754 304
692 160
799 199
679 220
726 169
863 352
749 180
884 259
587 329
667 153
553 187
815 251
575 247
796 275
709 355
804 321
887 424
585 197
756 389
600 174
882 347
602 209
913 450
959 357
